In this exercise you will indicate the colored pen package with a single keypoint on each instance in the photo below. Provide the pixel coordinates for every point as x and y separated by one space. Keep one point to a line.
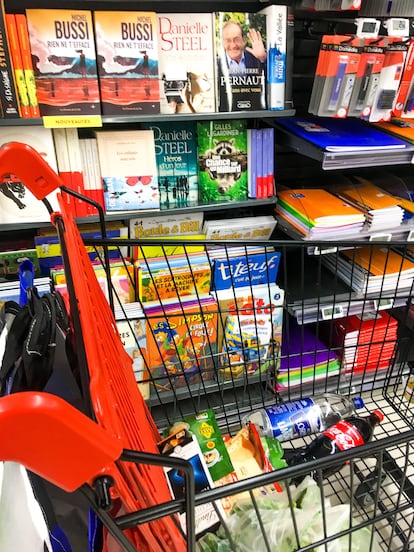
404 103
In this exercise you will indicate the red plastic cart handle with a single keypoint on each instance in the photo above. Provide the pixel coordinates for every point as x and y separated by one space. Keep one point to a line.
51 438
25 162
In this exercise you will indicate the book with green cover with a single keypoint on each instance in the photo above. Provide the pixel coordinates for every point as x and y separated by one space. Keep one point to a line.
222 160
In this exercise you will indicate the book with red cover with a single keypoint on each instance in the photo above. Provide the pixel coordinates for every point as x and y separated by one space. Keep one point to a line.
64 61
126 43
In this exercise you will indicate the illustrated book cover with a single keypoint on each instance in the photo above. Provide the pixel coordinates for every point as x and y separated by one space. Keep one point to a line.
181 342
186 62
222 160
240 45
17 203
340 135
128 169
64 61
177 163
127 54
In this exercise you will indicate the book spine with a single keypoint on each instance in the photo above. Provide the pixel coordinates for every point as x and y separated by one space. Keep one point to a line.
276 28
76 167
17 65
23 36
8 91
63 164
290 44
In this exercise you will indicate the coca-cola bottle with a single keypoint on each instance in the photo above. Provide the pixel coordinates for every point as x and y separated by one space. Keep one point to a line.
351 432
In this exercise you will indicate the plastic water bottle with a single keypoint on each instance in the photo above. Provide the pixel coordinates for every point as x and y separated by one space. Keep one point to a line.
351 432
289 420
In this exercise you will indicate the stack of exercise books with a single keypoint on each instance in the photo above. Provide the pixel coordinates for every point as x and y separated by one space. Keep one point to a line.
305 358
317 213
367 340
372 269
382 210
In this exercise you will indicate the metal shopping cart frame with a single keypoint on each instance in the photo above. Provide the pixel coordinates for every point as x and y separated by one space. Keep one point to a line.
387 509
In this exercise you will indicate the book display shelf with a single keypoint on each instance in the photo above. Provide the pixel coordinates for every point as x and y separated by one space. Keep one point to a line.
253 312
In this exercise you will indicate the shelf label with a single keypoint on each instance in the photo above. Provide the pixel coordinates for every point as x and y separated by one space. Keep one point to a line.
380 237
332 311
70 121
384 303
410 236
324 250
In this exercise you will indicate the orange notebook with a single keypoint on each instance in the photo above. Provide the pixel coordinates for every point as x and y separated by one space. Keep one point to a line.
319 206
402 128
379 261
23 35
17 65
368 196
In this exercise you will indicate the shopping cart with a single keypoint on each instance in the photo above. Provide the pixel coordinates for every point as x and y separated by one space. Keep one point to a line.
367 504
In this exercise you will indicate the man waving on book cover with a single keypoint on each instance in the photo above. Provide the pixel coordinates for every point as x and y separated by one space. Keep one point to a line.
241 68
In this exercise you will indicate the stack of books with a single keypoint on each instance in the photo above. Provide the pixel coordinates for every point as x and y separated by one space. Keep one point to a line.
306 359
382 209
372 269
368 341
318 213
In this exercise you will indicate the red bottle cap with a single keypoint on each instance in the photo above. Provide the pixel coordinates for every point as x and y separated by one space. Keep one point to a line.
379 415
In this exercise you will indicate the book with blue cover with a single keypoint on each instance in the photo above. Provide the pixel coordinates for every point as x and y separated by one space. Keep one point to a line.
245 270
341 135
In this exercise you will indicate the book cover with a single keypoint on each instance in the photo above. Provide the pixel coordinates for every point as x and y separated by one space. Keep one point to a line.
348 134
276 45
245 270
64 61
177 163
366 194
181 344
161 279
9 101
222 160
23 35
241 61
127 50
247 228
17 203
10 262
186 62
128 169
399 127
317 206
17 63
132 334
258 300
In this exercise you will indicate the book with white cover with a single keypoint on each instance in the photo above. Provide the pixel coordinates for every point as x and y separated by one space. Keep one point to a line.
17 203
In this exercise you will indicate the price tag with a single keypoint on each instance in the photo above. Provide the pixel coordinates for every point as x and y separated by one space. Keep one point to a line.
332 311
410 236
70 121
324 250
384 304
380 237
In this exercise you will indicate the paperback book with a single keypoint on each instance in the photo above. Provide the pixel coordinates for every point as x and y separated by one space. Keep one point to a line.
24 43
17 64
186 62
222 160
9 101
64 61
127 54
181 342
17 203
128 169
248 228
241 61
176 155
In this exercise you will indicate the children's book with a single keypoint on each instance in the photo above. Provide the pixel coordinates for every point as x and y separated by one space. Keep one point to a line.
245 270
340 135
127 55
17 203
186 62
247 228
222 160
176 155
181 343
128 169
240 44
264 301
11 260
64 61
132 334
162 278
